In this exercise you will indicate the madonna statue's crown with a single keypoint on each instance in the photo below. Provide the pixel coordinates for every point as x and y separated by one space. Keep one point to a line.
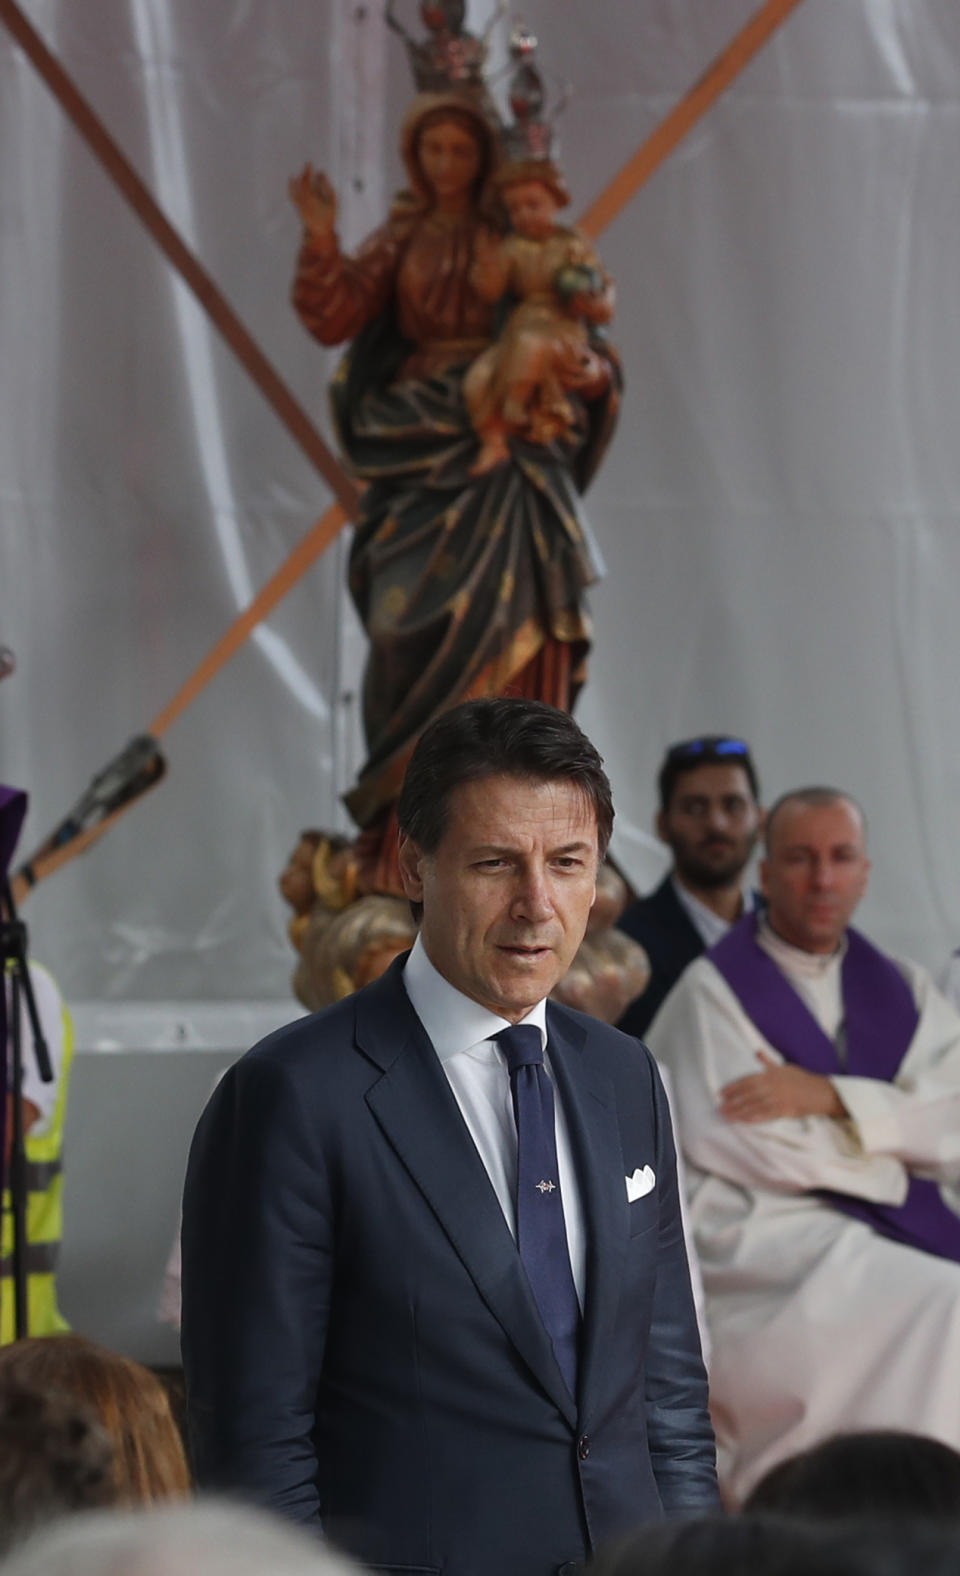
448 59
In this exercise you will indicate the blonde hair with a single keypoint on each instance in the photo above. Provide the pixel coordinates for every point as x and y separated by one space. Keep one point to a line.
150 1464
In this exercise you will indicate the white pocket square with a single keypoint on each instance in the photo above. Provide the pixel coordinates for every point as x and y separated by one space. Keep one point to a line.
640 1183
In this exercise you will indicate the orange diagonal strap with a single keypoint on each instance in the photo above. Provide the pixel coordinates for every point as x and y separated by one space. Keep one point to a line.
175 249
304 554
691 108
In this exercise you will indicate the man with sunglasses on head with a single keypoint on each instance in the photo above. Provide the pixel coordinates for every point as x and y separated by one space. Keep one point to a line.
710 819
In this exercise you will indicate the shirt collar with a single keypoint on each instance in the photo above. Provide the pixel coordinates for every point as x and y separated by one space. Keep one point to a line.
455 1022
711 927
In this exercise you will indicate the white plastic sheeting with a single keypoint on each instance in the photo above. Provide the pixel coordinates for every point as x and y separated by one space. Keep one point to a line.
778 513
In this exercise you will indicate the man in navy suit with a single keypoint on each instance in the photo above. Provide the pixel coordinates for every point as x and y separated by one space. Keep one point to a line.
710 819
440 1306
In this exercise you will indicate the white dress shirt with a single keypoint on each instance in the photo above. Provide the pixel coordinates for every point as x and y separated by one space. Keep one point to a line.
461 1032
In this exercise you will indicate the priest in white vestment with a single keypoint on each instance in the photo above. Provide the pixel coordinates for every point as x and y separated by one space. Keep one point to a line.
816 1088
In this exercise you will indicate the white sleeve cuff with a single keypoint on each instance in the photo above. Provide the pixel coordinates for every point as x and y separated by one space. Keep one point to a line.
872 1106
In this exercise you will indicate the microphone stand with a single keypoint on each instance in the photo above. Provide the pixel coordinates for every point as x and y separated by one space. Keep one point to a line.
13 958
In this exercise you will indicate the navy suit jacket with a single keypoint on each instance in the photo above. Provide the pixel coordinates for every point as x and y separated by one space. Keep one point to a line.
671 941
360 1341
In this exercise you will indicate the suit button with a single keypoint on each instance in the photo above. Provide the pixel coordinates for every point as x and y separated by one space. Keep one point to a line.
583 1447
572 1568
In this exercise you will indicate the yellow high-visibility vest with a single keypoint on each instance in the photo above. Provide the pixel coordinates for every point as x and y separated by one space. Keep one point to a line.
44 1168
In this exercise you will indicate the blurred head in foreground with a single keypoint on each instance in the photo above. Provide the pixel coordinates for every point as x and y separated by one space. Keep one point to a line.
129 1402
55 1458
764 1545
885 1473
204 1539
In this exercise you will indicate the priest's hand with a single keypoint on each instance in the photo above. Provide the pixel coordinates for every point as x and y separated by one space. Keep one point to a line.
780 1090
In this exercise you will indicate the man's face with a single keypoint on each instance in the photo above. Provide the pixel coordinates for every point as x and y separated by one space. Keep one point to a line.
507 894
711 825
815 873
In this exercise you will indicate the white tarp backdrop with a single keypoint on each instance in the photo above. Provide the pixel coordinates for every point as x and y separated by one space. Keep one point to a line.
778 513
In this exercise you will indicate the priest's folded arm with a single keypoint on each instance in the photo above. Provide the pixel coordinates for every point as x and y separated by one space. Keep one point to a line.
780 1090
787 1154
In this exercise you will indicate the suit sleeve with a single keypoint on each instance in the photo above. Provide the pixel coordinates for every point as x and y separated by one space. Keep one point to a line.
257 1256
679 1431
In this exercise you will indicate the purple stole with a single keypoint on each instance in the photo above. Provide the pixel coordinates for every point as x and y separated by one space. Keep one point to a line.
880 1019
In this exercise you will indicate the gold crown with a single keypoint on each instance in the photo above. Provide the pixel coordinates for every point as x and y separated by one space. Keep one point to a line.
448 59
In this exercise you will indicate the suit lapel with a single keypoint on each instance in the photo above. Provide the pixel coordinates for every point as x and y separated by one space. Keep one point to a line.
590 1110
419 1116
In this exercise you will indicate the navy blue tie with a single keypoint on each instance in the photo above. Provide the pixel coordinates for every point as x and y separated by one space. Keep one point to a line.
541 1232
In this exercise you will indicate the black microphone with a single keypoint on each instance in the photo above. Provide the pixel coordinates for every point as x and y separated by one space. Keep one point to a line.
8 662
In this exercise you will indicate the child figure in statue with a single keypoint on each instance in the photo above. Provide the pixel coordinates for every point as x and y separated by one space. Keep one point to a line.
518 387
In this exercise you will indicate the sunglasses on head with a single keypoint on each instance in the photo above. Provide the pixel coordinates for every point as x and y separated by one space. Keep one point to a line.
710 744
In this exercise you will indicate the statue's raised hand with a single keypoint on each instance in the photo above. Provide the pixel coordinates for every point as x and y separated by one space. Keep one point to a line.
316 202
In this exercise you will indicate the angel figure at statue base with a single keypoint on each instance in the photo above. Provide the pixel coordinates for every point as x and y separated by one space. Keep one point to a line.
518 387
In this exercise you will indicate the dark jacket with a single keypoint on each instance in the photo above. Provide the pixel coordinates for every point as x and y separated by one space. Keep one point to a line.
670 939
360 1340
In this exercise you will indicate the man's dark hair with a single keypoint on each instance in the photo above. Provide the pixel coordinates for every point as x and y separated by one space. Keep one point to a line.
498 738
711 749
783 1546
54 1459
885 1473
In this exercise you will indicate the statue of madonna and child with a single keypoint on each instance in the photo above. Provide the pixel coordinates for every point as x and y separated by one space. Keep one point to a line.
475 401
